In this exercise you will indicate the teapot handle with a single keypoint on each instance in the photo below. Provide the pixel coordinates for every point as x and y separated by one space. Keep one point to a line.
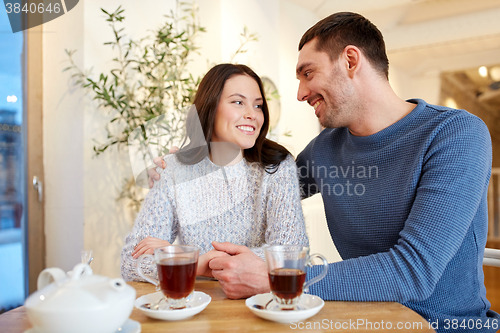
49 275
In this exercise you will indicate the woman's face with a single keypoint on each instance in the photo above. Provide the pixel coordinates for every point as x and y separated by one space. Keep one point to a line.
239 115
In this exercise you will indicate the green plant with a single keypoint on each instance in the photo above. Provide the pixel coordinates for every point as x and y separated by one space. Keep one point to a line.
149 78
246 37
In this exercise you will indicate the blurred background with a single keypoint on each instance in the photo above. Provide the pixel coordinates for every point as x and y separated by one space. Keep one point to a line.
444 51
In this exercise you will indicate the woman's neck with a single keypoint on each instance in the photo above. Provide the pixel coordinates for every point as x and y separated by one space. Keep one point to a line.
225 154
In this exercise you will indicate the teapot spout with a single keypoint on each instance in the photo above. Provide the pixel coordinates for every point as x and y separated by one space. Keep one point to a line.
81 270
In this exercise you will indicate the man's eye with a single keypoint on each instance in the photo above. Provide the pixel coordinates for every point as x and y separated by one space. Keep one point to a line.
306 74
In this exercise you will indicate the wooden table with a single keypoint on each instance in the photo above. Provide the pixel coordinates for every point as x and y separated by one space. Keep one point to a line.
225 315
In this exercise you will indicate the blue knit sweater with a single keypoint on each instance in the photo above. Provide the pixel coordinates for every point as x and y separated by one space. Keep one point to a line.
407 210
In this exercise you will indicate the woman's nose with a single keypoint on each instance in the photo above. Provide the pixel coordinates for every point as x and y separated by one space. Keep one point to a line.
249 113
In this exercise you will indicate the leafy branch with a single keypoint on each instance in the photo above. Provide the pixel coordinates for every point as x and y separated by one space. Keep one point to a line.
149 78
245 38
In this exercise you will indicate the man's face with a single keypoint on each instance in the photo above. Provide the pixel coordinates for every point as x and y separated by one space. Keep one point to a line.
325 86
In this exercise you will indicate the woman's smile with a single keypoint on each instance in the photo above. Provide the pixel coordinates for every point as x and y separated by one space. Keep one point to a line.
239 116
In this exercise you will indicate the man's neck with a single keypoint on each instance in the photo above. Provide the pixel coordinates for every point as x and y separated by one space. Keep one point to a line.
380 108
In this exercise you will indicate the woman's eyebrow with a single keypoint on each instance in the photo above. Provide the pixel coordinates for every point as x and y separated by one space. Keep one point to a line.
238 94
243 96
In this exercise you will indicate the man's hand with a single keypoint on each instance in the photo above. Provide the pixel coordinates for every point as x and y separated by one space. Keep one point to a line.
204 260
160 162
240 275
148 246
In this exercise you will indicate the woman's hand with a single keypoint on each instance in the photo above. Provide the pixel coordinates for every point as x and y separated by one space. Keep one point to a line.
242 274
148 246
204 259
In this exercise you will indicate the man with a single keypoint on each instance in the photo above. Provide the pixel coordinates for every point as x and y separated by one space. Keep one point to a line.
404 185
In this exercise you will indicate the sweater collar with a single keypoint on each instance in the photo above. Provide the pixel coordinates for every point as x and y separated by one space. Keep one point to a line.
384 136
232 171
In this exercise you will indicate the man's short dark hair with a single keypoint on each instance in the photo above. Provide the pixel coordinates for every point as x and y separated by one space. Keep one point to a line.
338 30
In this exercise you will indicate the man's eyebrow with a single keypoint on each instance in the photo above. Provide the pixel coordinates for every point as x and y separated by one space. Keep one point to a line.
301 68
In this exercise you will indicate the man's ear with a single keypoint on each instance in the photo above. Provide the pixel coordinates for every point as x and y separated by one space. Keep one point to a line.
352 57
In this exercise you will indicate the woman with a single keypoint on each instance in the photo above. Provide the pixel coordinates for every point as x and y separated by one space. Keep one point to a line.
252 200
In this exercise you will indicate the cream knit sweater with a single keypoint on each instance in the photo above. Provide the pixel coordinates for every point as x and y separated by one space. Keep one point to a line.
201 203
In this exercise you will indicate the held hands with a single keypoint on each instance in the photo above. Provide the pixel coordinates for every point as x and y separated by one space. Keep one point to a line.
242 273
148 246
152 174
204 260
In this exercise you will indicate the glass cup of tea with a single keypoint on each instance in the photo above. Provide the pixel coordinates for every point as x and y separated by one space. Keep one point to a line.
176 265
286 265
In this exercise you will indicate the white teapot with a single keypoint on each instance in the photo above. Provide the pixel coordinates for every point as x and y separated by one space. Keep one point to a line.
79 302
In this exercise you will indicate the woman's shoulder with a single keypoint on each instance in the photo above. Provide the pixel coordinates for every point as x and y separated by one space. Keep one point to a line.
286 168
172 163
289 162
174 166
170 158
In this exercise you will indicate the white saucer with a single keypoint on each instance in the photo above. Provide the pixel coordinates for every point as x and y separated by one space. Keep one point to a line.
198 303
130 326
310 304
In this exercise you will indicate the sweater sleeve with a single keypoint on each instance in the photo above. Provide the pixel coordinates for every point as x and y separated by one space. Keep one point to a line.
454 180
155 219
284 217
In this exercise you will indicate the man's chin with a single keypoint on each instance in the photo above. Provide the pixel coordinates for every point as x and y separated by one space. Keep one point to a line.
325 123
329 124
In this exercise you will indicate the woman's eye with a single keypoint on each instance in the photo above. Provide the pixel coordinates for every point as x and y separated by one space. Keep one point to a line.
259 106
238 102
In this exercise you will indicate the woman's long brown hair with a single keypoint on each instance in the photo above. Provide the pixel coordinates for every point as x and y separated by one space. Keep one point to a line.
267 153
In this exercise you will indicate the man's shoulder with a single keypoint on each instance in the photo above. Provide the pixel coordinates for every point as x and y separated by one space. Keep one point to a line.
444 112
438 118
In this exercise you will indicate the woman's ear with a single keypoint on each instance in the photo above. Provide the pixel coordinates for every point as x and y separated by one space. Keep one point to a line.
352 57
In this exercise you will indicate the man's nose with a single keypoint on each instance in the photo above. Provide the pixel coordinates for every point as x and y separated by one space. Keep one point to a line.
302 93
